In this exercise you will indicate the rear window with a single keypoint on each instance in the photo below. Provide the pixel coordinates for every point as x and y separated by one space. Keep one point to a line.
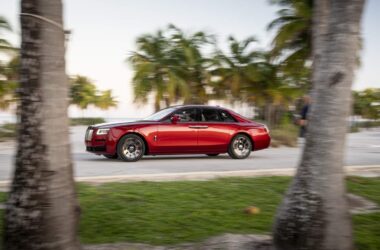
226 117
216 115
211 115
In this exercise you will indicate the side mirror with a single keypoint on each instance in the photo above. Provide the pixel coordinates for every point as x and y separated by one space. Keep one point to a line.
175 119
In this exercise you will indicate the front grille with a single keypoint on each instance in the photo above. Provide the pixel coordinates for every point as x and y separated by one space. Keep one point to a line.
89 134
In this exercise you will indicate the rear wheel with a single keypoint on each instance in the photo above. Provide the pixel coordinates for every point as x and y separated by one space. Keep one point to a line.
240 147
131 147
212 155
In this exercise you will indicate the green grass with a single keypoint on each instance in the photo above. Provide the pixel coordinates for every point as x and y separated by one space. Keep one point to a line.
176 212
2 199
366 227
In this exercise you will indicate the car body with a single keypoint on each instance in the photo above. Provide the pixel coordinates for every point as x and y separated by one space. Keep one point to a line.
185 129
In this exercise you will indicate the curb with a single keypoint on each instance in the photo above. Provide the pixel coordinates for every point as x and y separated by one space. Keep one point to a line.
365 171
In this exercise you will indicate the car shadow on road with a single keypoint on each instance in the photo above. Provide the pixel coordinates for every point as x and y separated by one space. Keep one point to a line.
165 158
184 157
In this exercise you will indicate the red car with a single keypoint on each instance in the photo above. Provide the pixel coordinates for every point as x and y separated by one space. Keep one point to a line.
189 129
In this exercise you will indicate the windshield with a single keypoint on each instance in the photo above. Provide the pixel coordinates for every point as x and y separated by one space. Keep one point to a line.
159 115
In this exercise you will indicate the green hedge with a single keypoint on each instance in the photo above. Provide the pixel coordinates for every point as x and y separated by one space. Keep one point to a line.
86 121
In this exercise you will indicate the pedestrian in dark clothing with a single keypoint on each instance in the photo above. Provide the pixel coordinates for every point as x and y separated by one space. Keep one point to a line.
303 116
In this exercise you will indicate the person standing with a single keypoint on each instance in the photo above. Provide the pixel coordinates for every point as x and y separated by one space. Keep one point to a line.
303 116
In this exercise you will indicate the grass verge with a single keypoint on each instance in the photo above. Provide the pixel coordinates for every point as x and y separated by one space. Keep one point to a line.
176 212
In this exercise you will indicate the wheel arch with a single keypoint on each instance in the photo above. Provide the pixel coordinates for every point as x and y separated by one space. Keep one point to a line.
246 134
139 135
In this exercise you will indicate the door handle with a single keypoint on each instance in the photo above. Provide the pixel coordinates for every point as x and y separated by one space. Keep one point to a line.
202 127
198 126
193 126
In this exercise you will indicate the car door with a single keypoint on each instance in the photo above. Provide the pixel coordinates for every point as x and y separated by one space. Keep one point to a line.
180 137
216 129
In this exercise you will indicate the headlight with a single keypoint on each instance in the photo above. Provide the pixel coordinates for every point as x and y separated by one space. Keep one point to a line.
102 131
88 135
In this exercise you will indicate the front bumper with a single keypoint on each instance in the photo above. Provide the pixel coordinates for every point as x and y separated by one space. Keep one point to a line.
100 149
95 143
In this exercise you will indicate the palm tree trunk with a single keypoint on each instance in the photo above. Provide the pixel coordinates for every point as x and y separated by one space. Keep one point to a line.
157 102
268 114
42 211
167 101
314 213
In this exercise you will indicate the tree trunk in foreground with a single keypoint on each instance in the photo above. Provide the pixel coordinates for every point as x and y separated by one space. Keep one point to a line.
42 212
314 214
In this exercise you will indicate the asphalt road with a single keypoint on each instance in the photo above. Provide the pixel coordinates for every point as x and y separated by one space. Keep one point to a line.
362 149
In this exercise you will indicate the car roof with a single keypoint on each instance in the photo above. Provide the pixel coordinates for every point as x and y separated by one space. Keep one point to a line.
196 106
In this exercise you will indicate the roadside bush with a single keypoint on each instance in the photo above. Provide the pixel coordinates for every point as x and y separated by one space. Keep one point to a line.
284 135
367 124
86 121
7 131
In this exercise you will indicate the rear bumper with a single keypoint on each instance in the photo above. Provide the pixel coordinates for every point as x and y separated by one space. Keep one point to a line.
261 141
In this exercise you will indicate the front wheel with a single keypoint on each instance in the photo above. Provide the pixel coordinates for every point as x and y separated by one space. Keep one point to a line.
240 147
131 148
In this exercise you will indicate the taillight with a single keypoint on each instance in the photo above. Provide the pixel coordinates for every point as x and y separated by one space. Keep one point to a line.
266 128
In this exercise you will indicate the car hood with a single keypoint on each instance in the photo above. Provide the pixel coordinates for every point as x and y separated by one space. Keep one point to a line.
122 124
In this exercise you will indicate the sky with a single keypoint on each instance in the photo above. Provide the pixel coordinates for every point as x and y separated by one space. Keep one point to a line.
104 34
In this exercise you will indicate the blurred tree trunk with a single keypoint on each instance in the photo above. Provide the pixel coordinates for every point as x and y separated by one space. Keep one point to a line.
157 105
42 211
167 102
314 214
269 114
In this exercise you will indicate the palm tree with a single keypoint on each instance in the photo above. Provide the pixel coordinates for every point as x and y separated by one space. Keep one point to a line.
4 26
171 65
248 75
191 66
9 84
314 213
105 100
269 89
154 71
292 42
42 211
82 91
234 71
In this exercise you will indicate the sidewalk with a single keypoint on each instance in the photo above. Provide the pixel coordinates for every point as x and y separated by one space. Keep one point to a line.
364 171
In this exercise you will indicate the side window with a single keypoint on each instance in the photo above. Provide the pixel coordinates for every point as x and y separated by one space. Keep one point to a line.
187 115
211 115
226 117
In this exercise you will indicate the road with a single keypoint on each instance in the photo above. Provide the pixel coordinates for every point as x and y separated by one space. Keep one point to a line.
362 149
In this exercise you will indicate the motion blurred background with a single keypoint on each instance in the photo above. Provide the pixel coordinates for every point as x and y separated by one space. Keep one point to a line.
105 35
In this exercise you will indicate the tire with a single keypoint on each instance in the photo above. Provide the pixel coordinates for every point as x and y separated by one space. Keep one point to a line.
240 147
212 155
130 148
111 156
